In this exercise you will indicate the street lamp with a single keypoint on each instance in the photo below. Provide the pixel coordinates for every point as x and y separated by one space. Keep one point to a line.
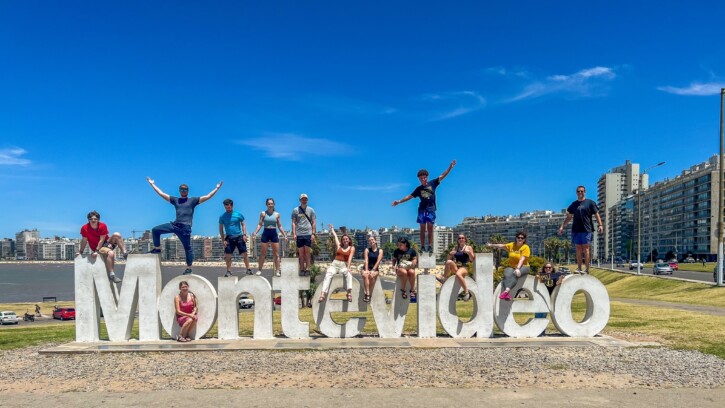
639 217
722 194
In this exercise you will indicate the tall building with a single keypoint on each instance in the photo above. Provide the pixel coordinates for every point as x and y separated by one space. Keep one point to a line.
679 216
7 248
612 187
22 239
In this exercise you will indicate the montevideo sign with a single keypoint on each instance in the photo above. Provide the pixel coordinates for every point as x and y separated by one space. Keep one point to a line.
142 291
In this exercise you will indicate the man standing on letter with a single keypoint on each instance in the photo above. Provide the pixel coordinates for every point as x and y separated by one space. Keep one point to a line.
184 215
304 225
582 230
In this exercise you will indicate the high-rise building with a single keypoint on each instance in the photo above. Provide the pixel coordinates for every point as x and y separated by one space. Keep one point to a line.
612 187
22 239
7 248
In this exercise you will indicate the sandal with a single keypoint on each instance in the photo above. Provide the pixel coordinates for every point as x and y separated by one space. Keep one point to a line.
413 293
404 294
349 297
188 338
181 339
366 298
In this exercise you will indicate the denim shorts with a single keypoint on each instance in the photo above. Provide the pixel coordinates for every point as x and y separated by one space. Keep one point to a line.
581 238
235 242
270 235
304 241
426 217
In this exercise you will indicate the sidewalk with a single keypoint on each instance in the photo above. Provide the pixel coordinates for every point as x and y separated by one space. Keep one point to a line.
380 397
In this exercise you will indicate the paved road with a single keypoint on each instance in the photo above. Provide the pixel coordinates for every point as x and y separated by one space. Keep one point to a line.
689 275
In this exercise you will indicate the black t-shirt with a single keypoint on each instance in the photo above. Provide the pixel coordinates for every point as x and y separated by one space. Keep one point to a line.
583 211
549 280
405 255
427 195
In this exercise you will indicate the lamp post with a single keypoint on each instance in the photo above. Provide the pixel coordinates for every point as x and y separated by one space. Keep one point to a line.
639 217
722 194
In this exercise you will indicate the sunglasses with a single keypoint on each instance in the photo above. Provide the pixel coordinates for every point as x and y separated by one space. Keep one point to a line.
93 219
547 267
580 191
461 237
183 189
520 238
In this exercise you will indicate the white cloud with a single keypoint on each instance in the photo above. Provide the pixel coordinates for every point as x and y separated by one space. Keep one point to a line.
695 89
290 146
586 82
382 187
11 157
465 101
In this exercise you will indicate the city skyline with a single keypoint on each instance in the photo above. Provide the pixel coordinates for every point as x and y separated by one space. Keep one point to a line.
344 103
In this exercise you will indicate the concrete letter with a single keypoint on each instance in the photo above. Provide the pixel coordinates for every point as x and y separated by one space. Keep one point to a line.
229 291
538 302
324 321
206 300
597 313
389 322
481 323
426 303
290 284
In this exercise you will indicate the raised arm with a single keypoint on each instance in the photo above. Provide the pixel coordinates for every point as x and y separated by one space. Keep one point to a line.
448 170
158 190
211 194
334 235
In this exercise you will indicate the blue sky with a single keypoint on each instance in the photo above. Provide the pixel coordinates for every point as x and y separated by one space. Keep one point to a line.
344 101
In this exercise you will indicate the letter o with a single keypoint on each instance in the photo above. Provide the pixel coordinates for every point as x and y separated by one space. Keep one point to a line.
206 299
597 312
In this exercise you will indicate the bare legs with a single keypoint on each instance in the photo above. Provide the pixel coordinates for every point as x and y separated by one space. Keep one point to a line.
188 326
406 275
369 278
460 273
582 251
305 259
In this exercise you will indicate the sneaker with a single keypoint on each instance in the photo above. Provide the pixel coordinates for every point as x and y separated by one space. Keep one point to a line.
278 274
228 274
586 272
249 272
430 249
505 296
155 251
258 273
187 271
467 296
125 255
114 279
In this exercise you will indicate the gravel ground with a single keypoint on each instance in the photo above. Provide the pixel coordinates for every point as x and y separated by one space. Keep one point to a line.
547 368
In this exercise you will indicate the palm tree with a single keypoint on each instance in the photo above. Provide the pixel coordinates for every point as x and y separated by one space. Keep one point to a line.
497 239
566 244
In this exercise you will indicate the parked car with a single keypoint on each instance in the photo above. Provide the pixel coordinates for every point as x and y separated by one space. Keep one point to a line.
689 259
246 303
278 300
8 317
674 266
633 265
618 262
64 313
661 268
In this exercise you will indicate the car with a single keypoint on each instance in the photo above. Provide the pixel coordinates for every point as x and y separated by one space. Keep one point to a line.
661 268
278 300
674 266
633 265
619 262
689 259
64 313
8 317
246 303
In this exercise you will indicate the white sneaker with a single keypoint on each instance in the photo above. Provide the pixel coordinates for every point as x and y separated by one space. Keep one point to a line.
258 273
278 274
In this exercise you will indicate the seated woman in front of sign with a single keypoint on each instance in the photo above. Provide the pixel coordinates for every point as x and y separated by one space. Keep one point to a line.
460 260
405 259
187 313
519 254
373 256
343 258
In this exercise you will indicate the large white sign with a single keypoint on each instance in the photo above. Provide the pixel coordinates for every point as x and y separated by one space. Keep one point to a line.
142 291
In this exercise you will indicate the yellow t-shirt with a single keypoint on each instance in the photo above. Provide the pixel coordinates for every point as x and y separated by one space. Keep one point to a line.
515 254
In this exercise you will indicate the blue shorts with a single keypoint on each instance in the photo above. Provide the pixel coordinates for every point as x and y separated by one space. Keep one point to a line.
235 242
304 241
270 235
581 238
426 217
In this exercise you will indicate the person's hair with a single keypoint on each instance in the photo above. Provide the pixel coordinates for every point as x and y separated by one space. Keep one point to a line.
93 213
521 233
183 186
182 283
422 172
404 240
268 200
228 201
348 238
582 187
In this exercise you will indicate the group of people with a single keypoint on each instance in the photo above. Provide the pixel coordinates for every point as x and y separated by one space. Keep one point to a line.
233 233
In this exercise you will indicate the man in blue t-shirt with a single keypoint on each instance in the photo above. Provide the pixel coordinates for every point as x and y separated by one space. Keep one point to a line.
426 192
582 230
184 206
232 222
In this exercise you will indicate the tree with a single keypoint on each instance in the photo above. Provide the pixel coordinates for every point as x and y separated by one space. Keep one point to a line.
388 249
497 239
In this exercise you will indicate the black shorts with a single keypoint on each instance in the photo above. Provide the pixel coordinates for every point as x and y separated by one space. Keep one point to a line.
235 242
270 235
304 241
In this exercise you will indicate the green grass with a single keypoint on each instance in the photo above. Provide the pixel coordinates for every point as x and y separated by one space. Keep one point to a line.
25 336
